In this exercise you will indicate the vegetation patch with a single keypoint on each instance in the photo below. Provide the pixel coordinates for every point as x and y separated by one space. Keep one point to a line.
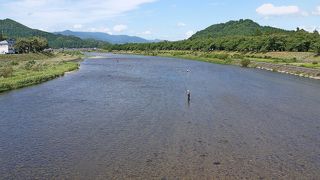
6 72
245 62
21 70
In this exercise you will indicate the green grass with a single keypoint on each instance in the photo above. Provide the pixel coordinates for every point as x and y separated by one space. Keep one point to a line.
308 65
201 58
17 71
197 56
304 59
262 60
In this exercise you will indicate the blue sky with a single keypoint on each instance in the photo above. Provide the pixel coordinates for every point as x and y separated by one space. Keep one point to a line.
158 19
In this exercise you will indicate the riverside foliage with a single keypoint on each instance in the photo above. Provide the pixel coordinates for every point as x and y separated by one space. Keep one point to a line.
243 35
21 70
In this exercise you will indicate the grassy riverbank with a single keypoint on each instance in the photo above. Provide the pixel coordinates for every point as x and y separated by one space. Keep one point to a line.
299 63
21 70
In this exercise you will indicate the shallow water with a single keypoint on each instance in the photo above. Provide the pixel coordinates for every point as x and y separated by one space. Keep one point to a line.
127 117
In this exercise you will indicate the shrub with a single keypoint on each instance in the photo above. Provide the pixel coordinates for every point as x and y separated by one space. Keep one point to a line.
245 62
314 62
228 61
38 66
294 59
29 64
14 63
216 56
222 56
317 48
6 71
238 56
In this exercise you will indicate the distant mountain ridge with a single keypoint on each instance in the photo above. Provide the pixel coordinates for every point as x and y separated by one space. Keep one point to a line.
13 29
242 27
113 39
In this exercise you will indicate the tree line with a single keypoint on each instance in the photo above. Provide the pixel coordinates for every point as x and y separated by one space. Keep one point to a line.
31 45
299 41
2 37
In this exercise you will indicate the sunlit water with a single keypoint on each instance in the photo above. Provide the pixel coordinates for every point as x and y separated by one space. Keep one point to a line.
122 117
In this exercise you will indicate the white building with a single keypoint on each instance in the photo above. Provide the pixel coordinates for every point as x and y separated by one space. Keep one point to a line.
6 47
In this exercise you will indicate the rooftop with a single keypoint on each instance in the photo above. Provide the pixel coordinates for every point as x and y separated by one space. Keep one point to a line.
4 43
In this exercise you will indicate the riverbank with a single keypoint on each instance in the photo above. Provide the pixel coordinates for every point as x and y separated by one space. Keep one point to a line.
22 70
304 64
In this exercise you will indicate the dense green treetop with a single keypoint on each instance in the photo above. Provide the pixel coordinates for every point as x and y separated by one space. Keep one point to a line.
237 28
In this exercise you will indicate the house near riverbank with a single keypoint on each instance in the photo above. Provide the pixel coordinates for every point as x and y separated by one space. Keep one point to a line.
7 47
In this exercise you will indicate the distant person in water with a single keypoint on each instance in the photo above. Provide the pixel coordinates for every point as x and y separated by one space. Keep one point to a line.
189 95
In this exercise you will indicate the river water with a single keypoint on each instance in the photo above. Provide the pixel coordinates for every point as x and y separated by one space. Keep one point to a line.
127 117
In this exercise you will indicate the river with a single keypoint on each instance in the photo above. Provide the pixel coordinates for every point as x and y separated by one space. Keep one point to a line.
127 117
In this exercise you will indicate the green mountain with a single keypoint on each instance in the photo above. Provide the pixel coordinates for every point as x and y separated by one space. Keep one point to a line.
242 35
13 29
237 28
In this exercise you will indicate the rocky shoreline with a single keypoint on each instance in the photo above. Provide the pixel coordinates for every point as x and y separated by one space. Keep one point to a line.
289 69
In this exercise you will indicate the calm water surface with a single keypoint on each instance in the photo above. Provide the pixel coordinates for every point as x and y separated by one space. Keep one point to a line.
126 117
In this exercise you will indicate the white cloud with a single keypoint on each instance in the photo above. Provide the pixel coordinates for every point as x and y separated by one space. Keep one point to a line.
310 28
181 24
57 14
189 33
77 26
120 28
317 11
272 10
148 32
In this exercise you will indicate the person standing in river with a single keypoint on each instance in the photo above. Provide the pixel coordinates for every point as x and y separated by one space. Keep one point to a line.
189 95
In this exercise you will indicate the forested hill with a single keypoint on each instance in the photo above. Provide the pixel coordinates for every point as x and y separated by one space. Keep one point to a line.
238 28
242 35
13 29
